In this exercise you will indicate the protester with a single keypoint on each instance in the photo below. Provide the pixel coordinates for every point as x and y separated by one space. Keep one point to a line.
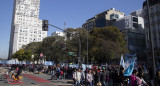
74 78
19 71
78 77
133 78
121 76
103 77
140 80
107 77
82 77
89 78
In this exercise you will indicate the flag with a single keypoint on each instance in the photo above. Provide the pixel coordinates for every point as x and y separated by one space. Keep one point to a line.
106 65
122 61
102 66
129 70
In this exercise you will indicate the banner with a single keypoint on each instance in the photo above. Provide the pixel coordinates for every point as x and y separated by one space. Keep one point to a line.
122 61
129 70
49 63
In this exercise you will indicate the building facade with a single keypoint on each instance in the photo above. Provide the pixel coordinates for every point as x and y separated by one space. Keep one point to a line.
58 33
152 24
133 28
103 19
26 26
154 16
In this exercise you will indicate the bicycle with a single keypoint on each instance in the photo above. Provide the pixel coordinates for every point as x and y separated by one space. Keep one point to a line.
14 79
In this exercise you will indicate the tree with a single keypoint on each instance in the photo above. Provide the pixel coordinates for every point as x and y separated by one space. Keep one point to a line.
72 42
34 48
108 44
27 55
52 48
22 55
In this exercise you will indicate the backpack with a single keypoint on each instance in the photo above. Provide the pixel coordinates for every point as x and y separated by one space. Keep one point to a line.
61 72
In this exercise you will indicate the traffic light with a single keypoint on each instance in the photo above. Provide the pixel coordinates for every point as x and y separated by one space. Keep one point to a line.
44 25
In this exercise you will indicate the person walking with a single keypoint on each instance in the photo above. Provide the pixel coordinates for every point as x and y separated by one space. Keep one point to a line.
133 78
74 80
89 78
103 77
82 77
140 80
78 77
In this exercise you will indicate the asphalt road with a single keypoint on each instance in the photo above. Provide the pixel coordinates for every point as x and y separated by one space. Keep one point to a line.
30 79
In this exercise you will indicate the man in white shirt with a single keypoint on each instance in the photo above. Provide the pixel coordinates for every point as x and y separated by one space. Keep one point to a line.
78 77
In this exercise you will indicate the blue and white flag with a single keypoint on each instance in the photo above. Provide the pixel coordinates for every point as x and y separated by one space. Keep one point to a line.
122 61
129 70
106 65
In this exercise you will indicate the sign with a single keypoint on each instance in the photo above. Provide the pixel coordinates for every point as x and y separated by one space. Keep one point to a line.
41 55
71 53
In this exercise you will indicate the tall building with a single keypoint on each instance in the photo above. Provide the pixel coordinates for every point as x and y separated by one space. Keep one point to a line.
133 28
103 19
26 26
154 17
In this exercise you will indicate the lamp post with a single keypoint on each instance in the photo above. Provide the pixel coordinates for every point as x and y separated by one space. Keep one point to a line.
87 47
152 46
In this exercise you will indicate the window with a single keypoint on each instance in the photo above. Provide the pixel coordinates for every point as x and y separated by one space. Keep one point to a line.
159 27
153 19
155 43
152 10
135 19
135 25
114 16
154 28
157 9
158 18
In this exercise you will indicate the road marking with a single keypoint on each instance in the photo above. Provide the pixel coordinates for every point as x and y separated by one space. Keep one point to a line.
37 79
16 82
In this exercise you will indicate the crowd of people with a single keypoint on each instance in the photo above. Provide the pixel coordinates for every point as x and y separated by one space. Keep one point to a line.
112 76
96 76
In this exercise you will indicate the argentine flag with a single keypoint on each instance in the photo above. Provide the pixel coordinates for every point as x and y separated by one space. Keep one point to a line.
122 61
129 70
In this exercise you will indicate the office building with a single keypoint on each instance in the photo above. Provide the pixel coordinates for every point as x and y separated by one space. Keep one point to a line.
26 26
152 14
133 28
103 19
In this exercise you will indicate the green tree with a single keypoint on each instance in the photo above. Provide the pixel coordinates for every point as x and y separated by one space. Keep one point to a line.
27 55
52 48
35 48
72 43
22 55
108 44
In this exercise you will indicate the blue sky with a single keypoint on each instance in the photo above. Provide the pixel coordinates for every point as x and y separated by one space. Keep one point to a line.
73 12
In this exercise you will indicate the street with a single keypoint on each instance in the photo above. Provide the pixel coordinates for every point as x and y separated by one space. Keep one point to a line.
30 79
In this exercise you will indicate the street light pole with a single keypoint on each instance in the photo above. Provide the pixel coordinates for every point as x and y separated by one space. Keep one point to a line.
87 47
152 46
79 42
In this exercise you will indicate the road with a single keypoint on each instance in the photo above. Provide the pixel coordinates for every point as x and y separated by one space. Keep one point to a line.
30 79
